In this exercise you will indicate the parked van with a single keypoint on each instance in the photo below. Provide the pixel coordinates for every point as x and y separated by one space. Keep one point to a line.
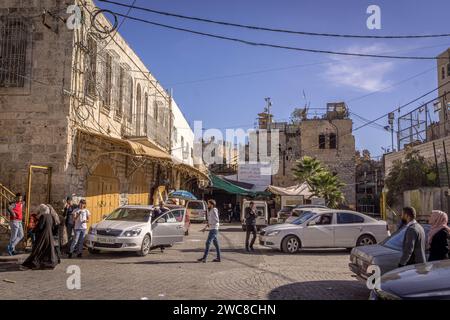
262 213
196 210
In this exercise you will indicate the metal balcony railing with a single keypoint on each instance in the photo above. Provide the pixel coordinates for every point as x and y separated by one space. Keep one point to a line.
145 126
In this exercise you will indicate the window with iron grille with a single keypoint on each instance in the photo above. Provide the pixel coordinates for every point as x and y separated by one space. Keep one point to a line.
91 68
120 78
13 51
145 112
128 97
108 81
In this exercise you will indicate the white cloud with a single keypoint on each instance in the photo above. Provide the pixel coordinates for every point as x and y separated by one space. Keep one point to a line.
363 74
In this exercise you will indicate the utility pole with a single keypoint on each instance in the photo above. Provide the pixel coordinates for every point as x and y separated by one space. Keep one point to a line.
391 117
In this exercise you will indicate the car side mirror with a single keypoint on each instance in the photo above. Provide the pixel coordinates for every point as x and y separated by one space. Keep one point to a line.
311 223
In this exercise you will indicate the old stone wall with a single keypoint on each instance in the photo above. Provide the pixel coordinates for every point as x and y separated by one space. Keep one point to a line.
34 117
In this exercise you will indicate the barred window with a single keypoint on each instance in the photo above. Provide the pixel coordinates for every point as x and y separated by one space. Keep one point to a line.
107 81
13 50
91 68
119 87
129 105
145 112
155 110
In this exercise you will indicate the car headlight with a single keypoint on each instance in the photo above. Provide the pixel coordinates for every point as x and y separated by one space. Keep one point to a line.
272 233
92 230
132 233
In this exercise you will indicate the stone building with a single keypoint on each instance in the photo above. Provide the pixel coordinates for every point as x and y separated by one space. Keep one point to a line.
327 137
79 104
443 71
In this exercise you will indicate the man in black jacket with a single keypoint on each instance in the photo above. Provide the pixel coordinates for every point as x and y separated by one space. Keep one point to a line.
250 223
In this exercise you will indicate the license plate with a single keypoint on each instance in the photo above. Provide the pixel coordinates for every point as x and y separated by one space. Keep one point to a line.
106 240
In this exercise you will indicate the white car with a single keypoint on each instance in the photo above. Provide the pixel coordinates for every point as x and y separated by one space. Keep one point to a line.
325 228
131 228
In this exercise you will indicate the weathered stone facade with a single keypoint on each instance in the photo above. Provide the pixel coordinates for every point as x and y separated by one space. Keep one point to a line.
85 95
336 150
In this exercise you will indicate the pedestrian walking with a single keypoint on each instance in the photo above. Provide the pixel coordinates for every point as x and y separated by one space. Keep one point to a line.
237 212
69 221
230 212
15 211
32 228
43 254
81 217
213 235
250 226
438 236
414 241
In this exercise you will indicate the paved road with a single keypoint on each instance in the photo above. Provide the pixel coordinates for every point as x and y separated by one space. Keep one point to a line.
175 274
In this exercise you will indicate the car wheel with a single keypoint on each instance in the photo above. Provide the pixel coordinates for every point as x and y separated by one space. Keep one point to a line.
365 240
145 247
93 251
290 244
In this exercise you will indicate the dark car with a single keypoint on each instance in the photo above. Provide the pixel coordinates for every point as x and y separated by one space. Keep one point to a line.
421 281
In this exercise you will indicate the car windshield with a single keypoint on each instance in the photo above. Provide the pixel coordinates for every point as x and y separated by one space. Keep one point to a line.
305 216
130 214
396 240
286 209
195 205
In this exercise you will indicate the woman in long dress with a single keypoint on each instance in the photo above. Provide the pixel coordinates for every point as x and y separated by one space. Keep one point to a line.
43 255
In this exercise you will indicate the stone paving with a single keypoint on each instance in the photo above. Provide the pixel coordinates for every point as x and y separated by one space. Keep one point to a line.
175 274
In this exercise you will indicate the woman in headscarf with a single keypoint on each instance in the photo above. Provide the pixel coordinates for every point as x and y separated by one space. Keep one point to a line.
438 235
43 255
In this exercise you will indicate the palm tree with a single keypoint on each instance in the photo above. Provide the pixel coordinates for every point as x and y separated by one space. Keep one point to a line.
326 185
306 168
321 182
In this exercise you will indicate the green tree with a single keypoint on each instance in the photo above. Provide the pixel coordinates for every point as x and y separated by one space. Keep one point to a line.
412 173
320 180
307 167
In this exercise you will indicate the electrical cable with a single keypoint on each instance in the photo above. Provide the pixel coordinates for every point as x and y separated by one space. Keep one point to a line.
304 33
276 46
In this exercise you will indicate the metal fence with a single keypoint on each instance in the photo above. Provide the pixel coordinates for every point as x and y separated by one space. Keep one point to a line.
146 126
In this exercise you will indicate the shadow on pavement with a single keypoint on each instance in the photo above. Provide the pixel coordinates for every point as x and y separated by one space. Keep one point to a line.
321 290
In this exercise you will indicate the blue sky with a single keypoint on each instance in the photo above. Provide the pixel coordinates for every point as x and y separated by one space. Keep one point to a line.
226 98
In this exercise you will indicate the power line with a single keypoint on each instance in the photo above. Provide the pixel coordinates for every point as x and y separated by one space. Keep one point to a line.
304 33
276 46
405 105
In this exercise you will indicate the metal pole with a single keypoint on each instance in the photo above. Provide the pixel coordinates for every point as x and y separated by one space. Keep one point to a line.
435 160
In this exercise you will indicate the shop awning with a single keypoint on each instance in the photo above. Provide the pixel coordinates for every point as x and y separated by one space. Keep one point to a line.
227 186
141 150
297 190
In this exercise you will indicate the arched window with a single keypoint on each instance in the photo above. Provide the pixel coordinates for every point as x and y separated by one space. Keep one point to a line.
443 73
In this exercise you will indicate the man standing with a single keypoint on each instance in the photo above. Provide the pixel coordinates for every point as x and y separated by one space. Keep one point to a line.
16 214
68 214
213 235
414 241
250 225
81 217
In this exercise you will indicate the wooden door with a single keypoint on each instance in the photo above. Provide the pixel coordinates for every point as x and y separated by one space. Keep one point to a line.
102 193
